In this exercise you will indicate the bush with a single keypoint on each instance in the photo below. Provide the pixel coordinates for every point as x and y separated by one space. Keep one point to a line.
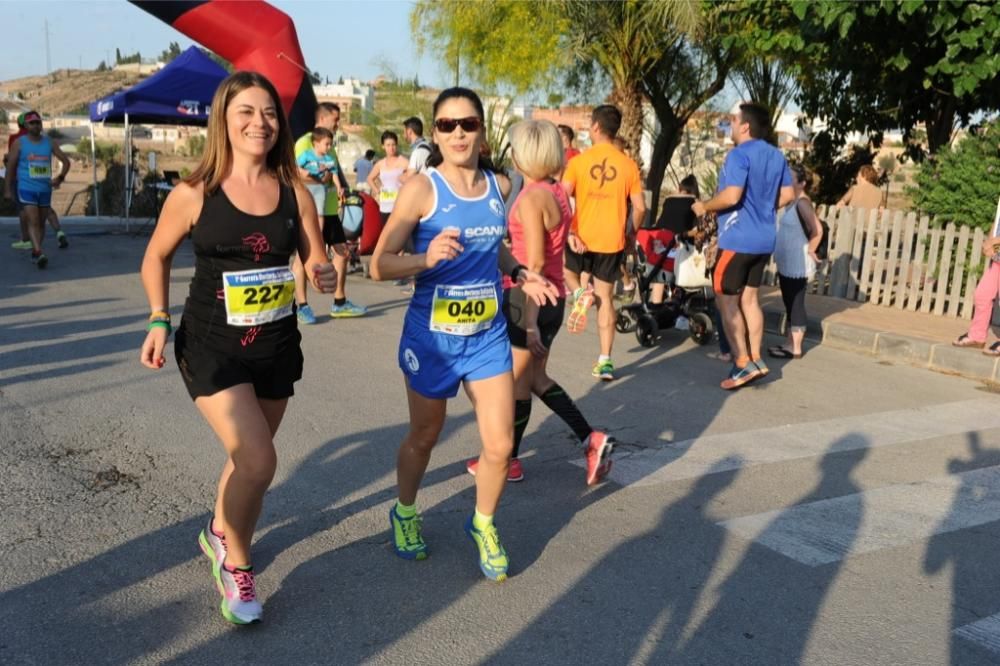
55 134
195 145
105 153
961 183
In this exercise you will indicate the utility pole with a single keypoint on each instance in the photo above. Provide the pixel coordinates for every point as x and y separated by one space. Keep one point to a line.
48 55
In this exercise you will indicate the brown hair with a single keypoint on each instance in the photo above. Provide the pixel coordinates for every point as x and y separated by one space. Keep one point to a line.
869 173
217 159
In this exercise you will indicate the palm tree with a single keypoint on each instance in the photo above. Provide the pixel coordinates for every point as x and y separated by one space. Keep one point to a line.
768 82
626 39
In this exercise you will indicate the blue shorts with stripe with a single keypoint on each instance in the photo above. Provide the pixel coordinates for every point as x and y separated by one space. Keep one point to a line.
436 364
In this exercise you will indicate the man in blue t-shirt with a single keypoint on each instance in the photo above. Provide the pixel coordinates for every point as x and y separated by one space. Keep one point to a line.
754 183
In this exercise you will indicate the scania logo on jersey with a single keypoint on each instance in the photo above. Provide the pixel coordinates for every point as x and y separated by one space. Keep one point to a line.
496 207
484 233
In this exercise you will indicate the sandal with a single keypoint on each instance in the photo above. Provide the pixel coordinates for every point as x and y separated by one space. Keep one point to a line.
965 341
993 349
781 352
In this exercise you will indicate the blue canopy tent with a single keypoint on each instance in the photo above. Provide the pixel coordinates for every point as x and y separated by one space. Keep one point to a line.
179 94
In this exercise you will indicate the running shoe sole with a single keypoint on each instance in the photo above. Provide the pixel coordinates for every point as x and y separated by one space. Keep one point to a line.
226 613
346 315
577 321
730 383
603 465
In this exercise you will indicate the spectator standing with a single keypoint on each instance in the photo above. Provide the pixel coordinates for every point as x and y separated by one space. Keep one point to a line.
799 235
754 182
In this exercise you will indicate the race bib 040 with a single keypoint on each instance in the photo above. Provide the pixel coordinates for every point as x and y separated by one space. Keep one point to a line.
258 296
463 310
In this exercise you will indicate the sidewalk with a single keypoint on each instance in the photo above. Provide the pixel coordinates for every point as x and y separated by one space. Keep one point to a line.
889 334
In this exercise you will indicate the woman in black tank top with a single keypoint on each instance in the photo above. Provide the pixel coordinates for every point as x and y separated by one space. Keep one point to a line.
237 345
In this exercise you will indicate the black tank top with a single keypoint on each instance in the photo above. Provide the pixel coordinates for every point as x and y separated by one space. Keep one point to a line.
228 239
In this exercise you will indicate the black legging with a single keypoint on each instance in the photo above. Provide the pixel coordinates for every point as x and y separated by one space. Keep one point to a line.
793 293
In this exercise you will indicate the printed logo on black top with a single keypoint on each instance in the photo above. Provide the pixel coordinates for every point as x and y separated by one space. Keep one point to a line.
258 244
603 172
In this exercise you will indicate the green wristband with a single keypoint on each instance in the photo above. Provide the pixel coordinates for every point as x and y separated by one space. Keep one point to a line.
161 324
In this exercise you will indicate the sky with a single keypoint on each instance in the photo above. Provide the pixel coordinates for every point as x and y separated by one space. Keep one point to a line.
338 38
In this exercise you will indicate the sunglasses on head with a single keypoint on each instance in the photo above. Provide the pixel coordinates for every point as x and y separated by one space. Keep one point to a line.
448 125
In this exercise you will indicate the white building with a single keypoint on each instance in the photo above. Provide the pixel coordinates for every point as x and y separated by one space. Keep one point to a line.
350 88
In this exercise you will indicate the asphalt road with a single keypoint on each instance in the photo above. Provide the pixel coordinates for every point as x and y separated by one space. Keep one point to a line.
841 511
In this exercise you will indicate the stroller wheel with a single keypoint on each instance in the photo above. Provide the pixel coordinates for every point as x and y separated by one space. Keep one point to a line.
700 327
625 322
646 331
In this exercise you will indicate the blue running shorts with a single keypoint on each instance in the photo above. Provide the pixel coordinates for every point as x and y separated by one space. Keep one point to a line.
437 363
31 198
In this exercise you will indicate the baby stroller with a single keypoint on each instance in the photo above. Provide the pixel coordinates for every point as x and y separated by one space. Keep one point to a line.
362 227
648 319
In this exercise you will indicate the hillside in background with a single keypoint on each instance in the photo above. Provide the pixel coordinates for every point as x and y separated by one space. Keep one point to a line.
68 91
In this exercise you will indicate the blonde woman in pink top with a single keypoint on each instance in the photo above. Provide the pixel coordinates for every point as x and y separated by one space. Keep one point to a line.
539 223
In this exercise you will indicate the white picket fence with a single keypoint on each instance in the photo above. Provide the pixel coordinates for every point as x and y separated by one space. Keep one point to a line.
895 259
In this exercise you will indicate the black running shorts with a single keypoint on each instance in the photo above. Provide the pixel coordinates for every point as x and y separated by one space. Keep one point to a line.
206 371
606 267
735 271
550 318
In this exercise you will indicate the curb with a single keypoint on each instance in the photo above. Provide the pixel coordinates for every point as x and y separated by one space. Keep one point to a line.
894 347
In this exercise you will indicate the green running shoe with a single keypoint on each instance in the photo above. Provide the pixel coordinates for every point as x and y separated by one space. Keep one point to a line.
604 370
493 561
407 540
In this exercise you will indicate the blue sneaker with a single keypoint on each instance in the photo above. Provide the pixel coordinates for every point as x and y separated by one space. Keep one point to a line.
348 309
740 376
305 314
493 561
406 538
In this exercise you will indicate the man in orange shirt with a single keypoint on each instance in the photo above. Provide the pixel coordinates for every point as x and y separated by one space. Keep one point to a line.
603 180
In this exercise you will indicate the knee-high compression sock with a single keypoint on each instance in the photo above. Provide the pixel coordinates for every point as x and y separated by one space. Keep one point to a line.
556 399
522 414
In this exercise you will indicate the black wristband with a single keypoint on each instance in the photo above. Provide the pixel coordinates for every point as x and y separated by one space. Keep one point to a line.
517 271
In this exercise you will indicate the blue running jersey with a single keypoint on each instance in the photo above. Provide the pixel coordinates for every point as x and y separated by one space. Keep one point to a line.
34 165
454 328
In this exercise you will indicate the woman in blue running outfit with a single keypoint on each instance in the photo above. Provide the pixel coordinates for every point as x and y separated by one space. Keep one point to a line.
454 332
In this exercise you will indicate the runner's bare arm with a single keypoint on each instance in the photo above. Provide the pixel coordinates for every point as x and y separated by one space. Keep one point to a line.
178 217
727 198
536 210
638 209
12 158
179 214
376 170
320 271
61 156
503 182
415 200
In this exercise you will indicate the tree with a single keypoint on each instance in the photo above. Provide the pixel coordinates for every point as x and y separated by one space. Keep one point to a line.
767 81
506 44
172 51
689 72
962 183
118 56
874 66
627 40
103 67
